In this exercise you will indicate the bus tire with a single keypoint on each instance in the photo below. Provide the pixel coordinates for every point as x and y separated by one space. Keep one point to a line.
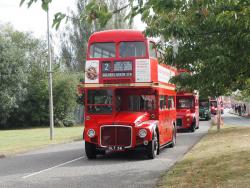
173 141
198 126
193 126
90 150
153 146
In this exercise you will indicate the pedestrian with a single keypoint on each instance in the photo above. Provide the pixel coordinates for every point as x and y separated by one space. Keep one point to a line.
245 108
239 110
236 108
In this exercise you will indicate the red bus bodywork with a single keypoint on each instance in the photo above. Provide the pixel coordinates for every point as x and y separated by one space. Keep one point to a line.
187 110
128 100
216 104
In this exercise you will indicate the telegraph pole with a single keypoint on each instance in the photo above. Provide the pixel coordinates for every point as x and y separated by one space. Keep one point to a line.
51 112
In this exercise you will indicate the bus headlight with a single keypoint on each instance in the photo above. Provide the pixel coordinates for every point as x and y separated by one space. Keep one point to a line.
91 133
188 118
142 133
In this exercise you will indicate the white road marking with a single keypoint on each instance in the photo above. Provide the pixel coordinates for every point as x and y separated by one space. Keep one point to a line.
39 172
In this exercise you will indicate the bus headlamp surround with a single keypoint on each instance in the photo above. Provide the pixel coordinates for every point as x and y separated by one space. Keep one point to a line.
91 133
142 133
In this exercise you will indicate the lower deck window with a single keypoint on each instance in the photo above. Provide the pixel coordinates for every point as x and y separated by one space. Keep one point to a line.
99 109
141 103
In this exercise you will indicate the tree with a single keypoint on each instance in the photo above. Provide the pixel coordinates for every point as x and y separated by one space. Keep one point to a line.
98 12
65 97
24 83
213 37
75 38
12 74
23 65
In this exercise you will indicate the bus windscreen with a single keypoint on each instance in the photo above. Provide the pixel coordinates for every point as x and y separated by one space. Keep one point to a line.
132 49
102 50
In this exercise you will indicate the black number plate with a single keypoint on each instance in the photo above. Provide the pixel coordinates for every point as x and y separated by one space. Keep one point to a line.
116 148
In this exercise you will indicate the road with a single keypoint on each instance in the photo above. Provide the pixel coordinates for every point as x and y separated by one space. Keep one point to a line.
232 119
67 166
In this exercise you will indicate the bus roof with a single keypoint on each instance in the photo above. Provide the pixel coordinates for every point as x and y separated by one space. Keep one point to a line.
117 35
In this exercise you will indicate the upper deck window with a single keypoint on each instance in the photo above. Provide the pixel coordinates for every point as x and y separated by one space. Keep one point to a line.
152 51
132 49
102 50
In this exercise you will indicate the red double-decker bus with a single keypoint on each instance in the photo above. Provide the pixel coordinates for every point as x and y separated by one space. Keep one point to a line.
187 107
187 110
129 102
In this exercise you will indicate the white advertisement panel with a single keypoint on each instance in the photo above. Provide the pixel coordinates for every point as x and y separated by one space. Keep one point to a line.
142 70
164 74
92 71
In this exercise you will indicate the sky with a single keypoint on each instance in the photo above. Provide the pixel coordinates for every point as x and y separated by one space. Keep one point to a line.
33 19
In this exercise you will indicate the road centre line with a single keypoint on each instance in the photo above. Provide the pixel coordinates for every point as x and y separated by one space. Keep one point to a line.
39 172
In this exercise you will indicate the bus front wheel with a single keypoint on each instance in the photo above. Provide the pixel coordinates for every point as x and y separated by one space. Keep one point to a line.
90 150
153 146
193 126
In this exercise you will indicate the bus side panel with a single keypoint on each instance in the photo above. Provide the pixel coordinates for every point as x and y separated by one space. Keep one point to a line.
163 123
154 70
172 115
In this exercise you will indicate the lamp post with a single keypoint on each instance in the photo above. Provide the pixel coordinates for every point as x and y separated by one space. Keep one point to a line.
51 112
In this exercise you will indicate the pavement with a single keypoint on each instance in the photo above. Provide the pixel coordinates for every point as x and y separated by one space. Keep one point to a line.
66 165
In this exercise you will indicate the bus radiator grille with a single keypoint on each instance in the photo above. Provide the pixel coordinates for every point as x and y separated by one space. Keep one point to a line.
116 136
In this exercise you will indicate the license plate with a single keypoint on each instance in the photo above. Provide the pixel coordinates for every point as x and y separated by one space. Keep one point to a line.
116 148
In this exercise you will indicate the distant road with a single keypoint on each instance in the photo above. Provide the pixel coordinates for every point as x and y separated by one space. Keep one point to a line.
67 166
232 119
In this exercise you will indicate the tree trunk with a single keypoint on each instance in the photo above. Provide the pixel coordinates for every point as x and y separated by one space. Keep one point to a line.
218 119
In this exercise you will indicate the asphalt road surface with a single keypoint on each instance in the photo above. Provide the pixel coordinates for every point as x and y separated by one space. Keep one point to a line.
232 119
67 166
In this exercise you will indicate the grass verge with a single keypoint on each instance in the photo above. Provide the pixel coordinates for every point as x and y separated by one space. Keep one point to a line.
16 141
220 159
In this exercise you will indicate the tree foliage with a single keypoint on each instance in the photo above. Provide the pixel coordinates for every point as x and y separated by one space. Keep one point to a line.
12 71
213 40
75 37
24 83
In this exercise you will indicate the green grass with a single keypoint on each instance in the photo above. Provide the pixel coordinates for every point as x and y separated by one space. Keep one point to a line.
220 159
16 141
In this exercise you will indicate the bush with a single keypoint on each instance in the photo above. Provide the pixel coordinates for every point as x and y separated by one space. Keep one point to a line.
65 92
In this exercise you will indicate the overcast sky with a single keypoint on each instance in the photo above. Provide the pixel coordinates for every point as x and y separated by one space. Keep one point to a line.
34 18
